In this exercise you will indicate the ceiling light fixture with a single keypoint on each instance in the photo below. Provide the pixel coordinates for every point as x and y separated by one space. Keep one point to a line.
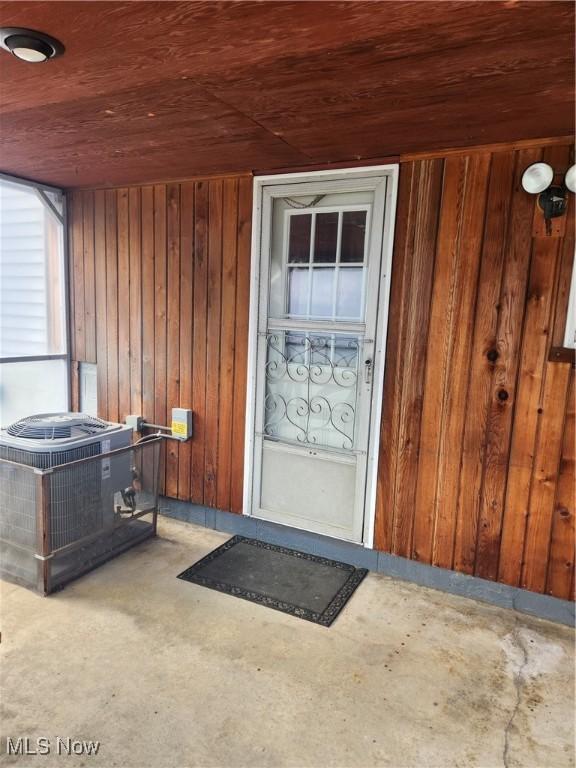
538 179
30 45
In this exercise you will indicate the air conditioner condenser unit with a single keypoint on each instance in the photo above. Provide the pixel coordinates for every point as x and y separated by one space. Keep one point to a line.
81 499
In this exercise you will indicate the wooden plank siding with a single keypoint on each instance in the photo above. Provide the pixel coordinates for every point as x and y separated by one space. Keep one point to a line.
476 469
476 466
162 277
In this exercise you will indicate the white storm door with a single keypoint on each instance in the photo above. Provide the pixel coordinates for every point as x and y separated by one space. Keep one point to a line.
320 264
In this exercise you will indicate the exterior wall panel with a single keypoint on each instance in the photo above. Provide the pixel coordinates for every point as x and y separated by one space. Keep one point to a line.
168 269
476 464
476 468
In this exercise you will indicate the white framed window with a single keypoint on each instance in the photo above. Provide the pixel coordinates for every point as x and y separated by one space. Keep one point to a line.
34 364
570 332
324 257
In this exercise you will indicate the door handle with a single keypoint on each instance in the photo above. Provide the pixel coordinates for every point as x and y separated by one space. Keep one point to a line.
368 370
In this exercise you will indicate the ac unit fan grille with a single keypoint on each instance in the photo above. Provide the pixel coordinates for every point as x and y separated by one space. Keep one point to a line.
57 426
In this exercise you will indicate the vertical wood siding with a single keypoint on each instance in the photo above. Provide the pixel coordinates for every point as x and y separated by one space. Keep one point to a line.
160 277
477 437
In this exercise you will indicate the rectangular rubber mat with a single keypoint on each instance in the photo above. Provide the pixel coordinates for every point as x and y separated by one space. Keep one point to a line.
309 587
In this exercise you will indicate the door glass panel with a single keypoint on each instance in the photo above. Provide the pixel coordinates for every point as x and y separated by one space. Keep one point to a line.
349 297
322 292
311 248
311 388
298 290
326 237
353 236
299 240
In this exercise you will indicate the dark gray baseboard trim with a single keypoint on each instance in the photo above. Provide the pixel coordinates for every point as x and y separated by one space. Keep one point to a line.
542 606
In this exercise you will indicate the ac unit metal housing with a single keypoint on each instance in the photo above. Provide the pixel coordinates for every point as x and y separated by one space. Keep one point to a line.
82 499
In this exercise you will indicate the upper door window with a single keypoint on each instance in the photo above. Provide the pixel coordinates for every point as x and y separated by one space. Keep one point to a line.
322 275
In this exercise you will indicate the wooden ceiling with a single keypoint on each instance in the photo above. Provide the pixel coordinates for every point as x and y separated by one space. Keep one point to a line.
164 90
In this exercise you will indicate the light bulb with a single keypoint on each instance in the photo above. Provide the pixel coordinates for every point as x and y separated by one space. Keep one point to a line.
537 177
29 54
570 178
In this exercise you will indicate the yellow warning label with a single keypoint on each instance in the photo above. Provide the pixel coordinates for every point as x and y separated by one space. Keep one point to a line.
179 428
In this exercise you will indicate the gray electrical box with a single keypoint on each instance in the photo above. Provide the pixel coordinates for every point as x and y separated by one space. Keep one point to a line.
136 422
181 423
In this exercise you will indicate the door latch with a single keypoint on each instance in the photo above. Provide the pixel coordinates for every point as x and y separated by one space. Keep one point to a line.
368 370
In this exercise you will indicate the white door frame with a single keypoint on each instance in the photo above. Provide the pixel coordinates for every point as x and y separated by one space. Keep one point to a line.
367 178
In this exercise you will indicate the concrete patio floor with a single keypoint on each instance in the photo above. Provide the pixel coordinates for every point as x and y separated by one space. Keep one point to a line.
165 673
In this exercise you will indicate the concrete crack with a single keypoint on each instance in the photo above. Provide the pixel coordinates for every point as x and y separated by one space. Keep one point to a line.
518 684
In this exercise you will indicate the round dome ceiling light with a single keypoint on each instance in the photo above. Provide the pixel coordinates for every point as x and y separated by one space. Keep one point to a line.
537 177
29 45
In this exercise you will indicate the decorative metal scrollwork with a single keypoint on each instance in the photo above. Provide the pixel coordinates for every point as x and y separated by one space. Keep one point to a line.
311 388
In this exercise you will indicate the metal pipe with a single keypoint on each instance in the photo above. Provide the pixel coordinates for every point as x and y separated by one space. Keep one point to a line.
155 426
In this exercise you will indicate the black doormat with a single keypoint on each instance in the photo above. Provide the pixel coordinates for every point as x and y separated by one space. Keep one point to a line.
310 587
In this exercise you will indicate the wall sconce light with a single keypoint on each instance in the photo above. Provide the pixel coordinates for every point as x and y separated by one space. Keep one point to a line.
538 179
